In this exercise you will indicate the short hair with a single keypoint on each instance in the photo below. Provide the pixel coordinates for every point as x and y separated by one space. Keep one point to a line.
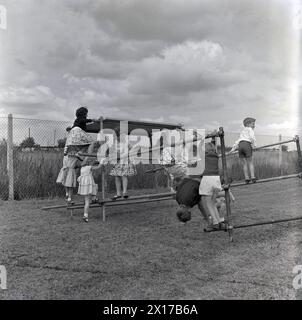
248 121
183 213
81 112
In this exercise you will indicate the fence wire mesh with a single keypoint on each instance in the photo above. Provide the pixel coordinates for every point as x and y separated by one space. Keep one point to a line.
37 156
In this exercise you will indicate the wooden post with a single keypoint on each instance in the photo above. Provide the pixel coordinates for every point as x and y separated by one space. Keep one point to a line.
103 179
280 155
297 140
10 157
226 182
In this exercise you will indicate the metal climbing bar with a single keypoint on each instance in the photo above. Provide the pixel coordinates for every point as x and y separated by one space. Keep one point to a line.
255 224
269 145
239 184
120 203
226 178
274 144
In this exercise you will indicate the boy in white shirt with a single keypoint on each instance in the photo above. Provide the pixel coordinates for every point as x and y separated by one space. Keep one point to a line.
245 145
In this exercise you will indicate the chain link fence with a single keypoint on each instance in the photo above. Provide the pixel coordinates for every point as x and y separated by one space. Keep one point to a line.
31 156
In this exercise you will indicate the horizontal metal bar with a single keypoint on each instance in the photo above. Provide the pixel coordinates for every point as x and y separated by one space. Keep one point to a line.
61 206
266 222
121 203
265 146
238 184
241 226
144 196
275 144
132 198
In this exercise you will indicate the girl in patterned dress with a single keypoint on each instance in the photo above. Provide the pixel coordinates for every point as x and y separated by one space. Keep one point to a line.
122 169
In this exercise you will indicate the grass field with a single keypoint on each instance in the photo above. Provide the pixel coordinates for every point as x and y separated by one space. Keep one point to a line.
143 252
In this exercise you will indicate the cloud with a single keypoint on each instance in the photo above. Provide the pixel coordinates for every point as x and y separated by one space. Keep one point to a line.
206 62
184 68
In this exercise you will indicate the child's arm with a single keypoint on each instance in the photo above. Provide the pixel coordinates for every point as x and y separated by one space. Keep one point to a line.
252 137
98 164
234 148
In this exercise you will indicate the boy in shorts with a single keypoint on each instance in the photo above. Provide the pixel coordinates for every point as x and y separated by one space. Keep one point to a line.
245 145
210 186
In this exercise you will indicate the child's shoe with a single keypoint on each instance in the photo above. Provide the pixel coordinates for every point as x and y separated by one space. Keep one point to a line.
254 180
85 218
69 201
212 227
95 201
247 181
115 197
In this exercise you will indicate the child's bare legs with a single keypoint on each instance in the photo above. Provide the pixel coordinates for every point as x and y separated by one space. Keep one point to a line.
250 164
202 210
118 185
245 168
68 193
86 208
210 209
125 184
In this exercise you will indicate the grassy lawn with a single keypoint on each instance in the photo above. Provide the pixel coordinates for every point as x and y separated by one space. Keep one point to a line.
143 252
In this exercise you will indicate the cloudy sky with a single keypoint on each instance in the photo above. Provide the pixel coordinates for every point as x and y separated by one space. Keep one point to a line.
202 63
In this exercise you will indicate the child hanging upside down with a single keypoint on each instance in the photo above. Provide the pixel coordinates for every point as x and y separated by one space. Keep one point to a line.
187 196
204 192
245 145
210 185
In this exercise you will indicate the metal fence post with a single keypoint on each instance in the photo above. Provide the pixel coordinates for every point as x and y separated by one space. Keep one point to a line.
226 183
10 157
280 155
299 153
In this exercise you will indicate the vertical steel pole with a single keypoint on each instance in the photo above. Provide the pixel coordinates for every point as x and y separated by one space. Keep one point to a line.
10 157
280 155
103 179
226 182
297 140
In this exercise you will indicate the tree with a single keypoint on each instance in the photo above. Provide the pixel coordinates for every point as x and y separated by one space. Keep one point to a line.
28 142
61 142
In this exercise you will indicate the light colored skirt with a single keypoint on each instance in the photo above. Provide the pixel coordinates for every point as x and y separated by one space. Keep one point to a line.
87 186
67 177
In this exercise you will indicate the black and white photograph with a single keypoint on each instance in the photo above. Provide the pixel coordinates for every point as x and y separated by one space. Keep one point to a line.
150 151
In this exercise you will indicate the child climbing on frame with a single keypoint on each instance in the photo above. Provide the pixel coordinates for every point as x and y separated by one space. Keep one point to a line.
124 168
187 196
173 161
67 175
205 191
81 118
87 186
210 186
77 141
245 145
